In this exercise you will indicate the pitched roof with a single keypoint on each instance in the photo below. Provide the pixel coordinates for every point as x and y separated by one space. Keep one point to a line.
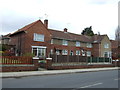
65 35
25 27
98 38
70 36
6 36
76 37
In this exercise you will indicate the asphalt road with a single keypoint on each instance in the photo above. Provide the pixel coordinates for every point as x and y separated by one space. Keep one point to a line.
101 79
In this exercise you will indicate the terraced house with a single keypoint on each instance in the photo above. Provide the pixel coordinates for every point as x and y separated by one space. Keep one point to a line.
38 39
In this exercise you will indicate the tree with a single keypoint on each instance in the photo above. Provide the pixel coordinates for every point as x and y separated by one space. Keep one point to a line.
3 47
88 31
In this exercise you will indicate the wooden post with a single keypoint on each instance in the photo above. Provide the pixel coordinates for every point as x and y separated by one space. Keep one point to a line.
67 58
56 58
91 60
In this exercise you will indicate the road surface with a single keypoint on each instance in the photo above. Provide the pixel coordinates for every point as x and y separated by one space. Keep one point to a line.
101 79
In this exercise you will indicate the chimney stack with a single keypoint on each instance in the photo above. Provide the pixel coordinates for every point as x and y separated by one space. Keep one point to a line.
46 23
65 29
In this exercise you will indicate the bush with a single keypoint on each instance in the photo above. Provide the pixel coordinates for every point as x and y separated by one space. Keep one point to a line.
42 61
1 53
29 54
7 53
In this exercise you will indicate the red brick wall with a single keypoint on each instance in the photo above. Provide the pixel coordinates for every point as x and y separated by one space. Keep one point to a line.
95 50
19 42
78 67
27 38
16 68
69 48
38 28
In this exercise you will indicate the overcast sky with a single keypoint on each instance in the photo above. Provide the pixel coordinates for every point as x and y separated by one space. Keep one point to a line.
75 15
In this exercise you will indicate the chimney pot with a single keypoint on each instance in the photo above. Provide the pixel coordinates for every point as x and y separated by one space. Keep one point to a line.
65 29
46 23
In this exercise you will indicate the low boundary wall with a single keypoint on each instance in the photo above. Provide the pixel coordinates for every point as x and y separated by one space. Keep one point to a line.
20 67
79 67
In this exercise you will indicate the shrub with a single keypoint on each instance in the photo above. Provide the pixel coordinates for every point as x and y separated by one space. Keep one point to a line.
29 54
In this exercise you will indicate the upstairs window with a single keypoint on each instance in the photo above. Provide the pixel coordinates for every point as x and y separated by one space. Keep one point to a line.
106 45
89 45
77 44
38 37
65 42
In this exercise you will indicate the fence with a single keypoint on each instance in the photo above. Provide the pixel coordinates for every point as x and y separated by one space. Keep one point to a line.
15 60
75 58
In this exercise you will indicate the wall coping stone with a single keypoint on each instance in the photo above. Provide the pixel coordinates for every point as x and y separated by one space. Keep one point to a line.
26 65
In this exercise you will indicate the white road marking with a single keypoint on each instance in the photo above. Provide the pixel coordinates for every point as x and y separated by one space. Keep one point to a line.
91 85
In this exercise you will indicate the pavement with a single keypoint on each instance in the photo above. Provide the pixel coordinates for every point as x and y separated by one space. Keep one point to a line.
51 72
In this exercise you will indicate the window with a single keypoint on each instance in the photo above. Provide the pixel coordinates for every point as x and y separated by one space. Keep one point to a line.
77 44
77 52
51 51
38 37
57 52
89 45
106 54
106 45
51 41
64 52
65 42
88 53
39 51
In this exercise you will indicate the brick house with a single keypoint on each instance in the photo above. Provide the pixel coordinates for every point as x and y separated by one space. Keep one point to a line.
36 38
5 46
33 38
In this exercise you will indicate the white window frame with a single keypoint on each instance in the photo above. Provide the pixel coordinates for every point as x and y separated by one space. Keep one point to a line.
77 52
38 37
65 42
64 52
41 49
89 45
107 53
88 53
77 44
106 45
57 52
51 51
